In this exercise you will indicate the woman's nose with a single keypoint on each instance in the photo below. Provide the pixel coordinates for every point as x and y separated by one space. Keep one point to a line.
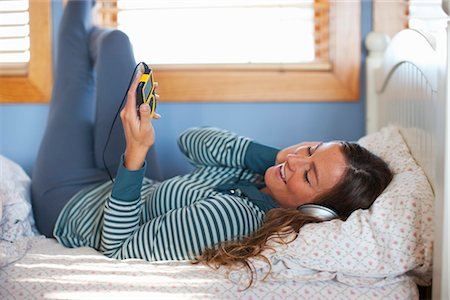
295 161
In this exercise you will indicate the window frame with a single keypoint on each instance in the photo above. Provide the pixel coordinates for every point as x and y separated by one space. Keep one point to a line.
36 86
340 83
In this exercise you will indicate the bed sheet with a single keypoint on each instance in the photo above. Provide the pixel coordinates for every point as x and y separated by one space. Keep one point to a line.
50 271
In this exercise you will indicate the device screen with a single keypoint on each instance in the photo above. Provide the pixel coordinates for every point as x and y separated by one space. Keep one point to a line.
148 87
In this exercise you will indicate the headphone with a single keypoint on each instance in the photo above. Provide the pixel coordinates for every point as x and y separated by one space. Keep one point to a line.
318 211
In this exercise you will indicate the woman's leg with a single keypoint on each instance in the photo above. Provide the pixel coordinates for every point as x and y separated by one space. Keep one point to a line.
65 162
114 65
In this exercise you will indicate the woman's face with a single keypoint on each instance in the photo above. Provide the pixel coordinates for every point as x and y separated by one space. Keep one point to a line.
310 170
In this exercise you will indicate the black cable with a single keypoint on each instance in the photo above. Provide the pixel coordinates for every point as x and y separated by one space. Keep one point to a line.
114 121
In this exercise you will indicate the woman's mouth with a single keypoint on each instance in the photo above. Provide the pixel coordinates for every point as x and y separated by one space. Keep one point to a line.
282 172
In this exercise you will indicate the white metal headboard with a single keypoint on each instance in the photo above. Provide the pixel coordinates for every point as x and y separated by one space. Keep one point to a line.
407 87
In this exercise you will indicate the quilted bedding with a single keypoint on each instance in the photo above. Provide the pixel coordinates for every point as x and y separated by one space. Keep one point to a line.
50 271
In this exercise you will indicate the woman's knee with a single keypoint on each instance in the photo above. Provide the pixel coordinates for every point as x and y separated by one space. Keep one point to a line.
116 37
105 43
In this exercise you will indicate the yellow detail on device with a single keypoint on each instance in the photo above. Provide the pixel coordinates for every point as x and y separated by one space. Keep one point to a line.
145 92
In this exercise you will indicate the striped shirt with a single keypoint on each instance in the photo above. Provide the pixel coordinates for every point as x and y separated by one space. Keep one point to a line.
177 218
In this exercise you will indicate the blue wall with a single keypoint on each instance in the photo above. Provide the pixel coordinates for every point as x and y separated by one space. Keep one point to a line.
276 124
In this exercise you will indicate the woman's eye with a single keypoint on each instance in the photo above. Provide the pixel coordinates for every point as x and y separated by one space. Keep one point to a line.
309 151
305 176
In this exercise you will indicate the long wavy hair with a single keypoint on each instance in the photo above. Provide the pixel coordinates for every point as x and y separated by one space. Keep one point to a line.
365 178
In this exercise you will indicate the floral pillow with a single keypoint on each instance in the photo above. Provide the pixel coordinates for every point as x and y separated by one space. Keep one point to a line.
16 216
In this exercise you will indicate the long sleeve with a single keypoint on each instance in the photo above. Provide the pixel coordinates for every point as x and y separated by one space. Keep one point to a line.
259 158
123 207
175 219
128 184
179 234
210 146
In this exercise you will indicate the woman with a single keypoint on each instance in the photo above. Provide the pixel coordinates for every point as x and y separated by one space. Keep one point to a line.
235 183
352 192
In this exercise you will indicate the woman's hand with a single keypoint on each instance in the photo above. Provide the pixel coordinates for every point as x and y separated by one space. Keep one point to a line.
138 128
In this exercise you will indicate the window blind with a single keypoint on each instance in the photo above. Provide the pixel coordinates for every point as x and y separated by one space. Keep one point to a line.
218 32
14 37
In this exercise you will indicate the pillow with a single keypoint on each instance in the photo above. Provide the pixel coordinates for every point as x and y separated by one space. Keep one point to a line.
392 237
390 146
16 217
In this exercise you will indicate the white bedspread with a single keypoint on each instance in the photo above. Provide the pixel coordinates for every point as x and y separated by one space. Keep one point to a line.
50 271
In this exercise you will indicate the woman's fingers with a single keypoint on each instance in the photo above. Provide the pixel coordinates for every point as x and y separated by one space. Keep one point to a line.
129 113
144 113
155 85
146 131
131 96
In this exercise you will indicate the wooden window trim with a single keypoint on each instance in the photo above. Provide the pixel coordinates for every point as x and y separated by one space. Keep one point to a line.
36 86
341 83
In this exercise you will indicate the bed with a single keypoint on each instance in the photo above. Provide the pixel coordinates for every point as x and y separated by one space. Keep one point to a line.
409 88
381 253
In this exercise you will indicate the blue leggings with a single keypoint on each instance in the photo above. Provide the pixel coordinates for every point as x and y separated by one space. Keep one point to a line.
93 69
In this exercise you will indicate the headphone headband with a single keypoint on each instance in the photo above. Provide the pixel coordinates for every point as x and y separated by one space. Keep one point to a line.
318 211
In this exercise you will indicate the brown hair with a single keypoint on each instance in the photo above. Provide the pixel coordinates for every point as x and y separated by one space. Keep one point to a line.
364 180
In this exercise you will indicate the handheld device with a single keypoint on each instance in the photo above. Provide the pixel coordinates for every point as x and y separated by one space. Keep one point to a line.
145 92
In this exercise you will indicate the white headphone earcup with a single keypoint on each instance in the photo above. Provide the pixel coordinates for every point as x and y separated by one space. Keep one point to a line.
318 211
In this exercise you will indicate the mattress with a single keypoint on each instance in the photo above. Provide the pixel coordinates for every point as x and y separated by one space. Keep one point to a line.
49 271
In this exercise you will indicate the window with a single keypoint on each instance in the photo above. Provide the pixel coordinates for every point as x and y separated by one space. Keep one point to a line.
14 37
210 32
32 81
255 50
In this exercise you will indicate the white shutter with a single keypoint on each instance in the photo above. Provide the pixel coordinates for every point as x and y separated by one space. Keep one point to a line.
219 32
14 37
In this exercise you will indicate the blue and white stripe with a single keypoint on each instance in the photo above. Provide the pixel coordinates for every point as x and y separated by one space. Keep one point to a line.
175 219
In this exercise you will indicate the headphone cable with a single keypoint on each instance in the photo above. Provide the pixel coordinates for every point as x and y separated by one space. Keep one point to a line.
114 121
